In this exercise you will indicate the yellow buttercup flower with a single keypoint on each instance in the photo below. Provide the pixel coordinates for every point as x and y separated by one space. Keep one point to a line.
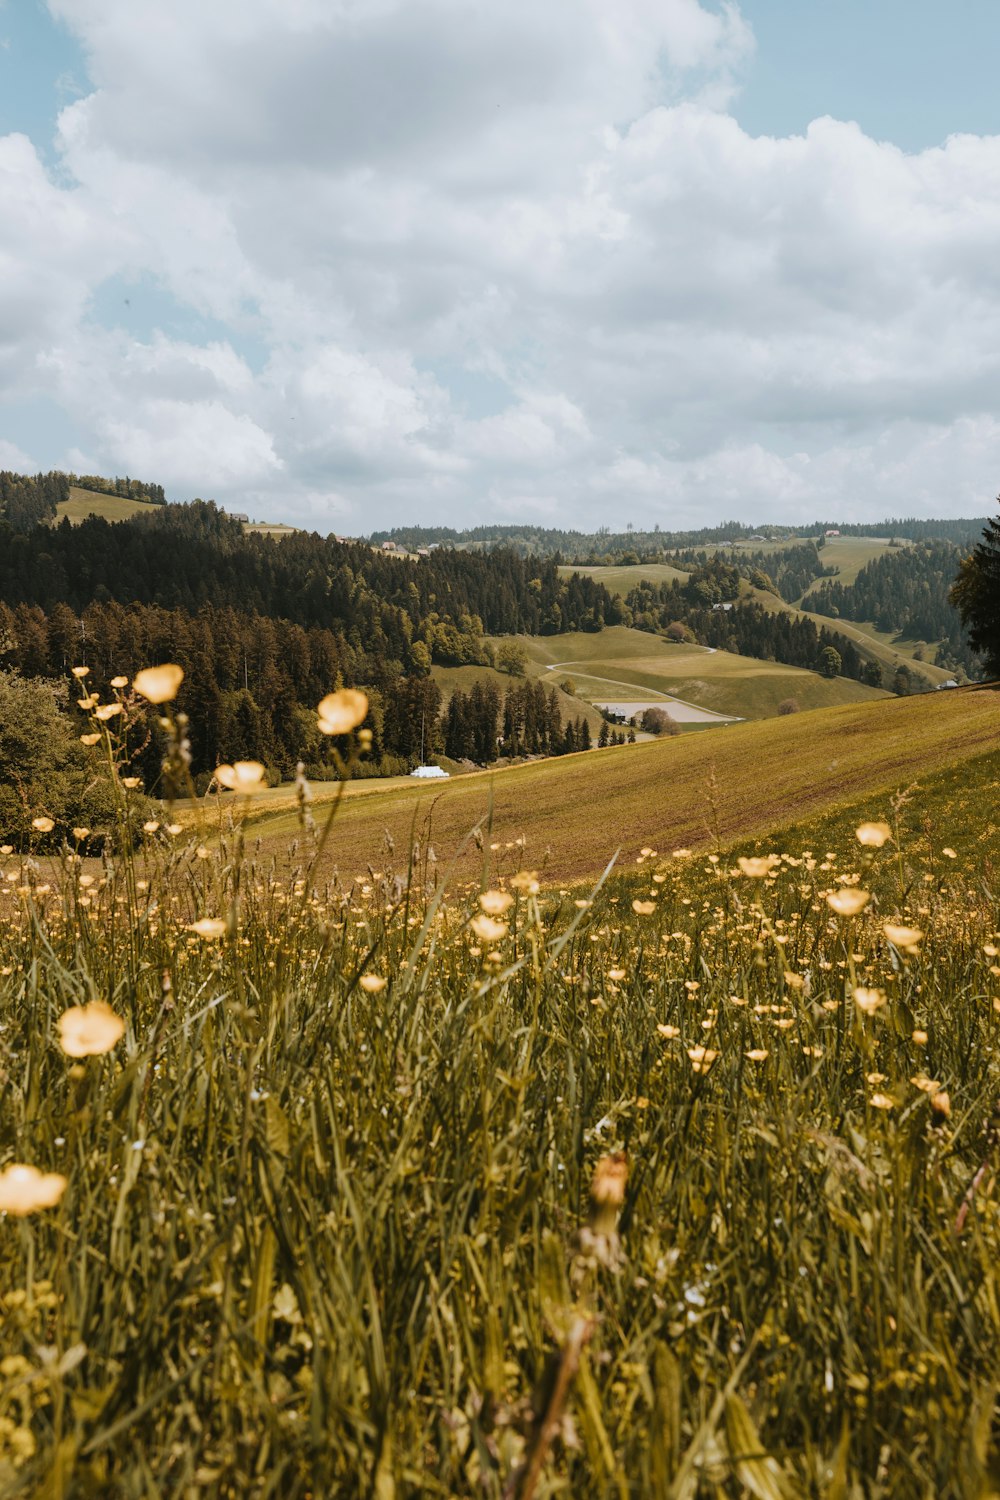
848 902
874 835
24 1190
159 684
90 1030
243 776
339 713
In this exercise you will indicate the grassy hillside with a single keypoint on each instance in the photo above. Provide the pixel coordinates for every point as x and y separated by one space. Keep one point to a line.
849 554
84 503
727 783
623 663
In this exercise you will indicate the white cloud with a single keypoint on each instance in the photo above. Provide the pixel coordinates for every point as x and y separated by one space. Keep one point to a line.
678 320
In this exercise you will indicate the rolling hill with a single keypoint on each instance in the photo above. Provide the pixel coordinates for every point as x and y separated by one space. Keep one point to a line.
722 785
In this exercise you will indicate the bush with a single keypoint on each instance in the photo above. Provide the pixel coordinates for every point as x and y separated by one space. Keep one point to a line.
46 772
657 721
788 706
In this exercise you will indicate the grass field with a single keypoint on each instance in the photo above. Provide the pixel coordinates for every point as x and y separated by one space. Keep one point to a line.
726 783
684 1186
623 580
84 503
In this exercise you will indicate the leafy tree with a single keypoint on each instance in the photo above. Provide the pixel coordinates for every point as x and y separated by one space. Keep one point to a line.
512 657
830 662
976 595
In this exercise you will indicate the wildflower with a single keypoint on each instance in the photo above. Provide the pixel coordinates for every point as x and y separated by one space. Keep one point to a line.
89 739
43 825
847 903
151 826
107 711
244 776
758 867
757 1054
873 835
918 1038
869 1000
487 929
372 983
90 1030
882 1101
941 1104
643 908
339 713
24 1190
81 672
526 881
131 782
495 903
907 938
668 1031
159 684
119 682
702 1058
949 853
209 928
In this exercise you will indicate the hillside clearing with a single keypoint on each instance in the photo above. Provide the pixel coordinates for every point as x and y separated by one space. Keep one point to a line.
84 503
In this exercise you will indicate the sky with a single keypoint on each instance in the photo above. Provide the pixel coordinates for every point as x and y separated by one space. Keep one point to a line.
354 264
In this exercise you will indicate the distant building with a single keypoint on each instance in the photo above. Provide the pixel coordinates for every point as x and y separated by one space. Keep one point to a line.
423 552
388 546
949 684
721 608
239 515
430 772
831 533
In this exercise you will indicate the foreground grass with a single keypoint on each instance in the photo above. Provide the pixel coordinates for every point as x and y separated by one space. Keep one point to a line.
328 1230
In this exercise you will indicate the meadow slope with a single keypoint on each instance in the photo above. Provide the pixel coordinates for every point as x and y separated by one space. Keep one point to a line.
720 785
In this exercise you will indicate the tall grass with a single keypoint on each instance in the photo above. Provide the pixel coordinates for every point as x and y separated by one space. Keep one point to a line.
323 1236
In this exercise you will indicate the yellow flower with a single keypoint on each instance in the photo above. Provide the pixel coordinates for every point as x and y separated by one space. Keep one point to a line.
643 908
244 776
208 927
941 1104
874 835
949 853
668 1031
526 881
119 682
617 974
702 1058
882 1101
159 684
150 827
341 712
907 938
81 672
131 782
107 711
24 1190
869 1000
495 903
372 983
757 868
90 1030
847 903
757 1054
43 825
80 834
487 930
89 739
918 1038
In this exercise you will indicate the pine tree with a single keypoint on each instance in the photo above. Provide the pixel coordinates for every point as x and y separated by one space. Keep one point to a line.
976 595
